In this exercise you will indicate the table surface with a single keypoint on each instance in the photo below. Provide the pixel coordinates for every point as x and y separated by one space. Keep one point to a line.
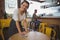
30 36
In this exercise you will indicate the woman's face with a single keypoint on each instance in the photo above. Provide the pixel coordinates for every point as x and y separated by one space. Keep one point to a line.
24 6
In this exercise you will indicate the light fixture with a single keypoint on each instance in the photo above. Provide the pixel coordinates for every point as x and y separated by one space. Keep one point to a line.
57 2
41 1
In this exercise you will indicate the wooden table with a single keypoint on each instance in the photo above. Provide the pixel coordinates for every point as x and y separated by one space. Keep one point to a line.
30 36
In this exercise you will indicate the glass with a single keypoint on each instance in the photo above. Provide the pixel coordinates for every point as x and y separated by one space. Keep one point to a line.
47 8
10 6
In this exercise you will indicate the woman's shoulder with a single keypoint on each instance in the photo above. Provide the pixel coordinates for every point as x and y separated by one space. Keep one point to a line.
15 11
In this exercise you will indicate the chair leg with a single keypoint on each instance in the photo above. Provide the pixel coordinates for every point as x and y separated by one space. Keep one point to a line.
2 34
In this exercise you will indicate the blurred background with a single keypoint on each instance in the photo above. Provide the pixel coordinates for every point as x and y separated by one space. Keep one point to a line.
48 8
48 11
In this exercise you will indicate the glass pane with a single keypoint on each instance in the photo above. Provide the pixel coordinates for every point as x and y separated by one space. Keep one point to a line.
10 6
45 8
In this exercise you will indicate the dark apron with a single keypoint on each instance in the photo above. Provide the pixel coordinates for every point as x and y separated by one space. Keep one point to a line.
13 29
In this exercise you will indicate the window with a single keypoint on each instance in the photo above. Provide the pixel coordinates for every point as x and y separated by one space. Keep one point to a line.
47 8
10 6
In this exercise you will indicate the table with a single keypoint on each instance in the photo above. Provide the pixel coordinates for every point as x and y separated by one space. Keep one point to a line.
33 35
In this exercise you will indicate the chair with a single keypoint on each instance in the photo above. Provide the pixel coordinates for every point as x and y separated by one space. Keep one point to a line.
50 33
4 23
42 26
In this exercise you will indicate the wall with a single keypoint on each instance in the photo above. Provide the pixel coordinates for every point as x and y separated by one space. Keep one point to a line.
2 7
51 20
48 20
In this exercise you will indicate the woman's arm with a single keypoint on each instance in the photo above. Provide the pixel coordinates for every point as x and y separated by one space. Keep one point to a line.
25 24
19 30
18 27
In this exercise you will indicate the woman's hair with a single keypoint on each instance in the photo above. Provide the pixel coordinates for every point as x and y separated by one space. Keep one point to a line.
25 2
27 7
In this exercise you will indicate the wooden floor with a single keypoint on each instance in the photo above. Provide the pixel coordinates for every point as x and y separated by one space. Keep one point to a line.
0 38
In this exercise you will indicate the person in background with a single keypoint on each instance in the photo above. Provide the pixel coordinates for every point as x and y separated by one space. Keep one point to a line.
34 18
19 16
34 24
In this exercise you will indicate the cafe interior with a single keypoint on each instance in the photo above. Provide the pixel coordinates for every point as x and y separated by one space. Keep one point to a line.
48 12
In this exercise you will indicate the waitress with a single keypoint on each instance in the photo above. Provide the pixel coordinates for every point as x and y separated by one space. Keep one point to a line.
18 16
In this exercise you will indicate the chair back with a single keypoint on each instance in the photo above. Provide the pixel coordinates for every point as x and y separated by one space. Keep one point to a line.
42 26
5 22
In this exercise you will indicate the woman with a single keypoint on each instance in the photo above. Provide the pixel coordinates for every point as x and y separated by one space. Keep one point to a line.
18 16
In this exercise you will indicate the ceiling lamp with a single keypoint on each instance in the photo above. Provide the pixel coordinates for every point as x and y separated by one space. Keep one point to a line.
41 1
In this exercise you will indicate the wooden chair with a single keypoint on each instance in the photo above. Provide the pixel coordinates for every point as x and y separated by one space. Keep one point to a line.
50 32
44 28
4 23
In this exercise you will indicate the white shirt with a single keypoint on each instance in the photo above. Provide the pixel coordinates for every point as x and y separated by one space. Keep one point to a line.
15 16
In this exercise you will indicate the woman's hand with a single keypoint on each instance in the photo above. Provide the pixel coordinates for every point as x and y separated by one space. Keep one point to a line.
22 33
